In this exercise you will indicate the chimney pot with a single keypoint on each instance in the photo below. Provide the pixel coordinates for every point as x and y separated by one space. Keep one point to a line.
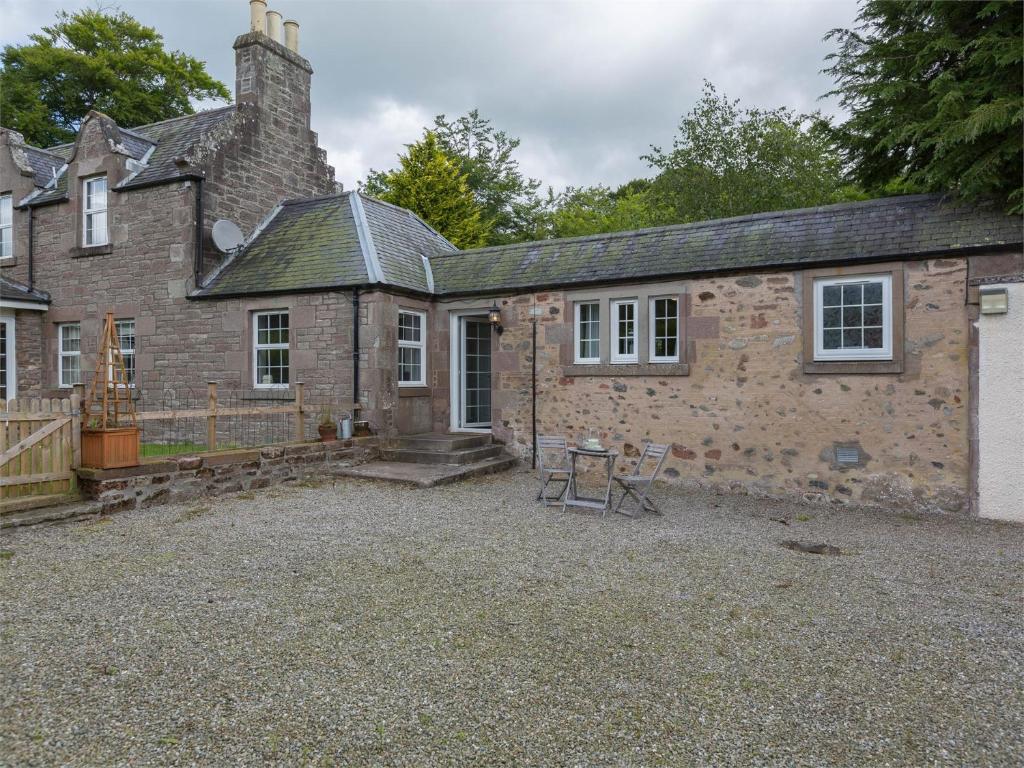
274 30
291 35
258 16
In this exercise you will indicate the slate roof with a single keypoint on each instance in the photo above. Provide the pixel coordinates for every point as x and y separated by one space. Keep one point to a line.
173 139
401 239
169 139
306 244
327 242
873 230
45 164
11 290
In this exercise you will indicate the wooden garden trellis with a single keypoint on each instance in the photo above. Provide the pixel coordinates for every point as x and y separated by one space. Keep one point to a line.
110 391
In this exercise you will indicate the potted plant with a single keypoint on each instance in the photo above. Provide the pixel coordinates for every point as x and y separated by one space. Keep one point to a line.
328 427
110 436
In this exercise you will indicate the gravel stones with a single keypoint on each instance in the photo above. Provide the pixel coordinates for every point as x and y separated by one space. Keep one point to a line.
358 623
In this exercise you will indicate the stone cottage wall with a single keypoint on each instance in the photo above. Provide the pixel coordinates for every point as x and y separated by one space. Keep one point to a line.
747 418
266 153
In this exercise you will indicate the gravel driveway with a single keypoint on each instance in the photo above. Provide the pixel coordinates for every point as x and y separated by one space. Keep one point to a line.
364 624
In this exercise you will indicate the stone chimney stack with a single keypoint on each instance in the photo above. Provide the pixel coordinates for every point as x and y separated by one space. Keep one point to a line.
274 30
291 36
258 16
269 74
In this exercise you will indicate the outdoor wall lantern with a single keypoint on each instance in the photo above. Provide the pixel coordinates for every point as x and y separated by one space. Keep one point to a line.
994 301
494 315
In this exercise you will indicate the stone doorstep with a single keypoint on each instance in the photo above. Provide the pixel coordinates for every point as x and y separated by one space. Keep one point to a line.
427 475
52 514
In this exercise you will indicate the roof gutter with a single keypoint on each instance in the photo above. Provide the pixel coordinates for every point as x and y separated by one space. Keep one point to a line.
31 248
158 182
197 259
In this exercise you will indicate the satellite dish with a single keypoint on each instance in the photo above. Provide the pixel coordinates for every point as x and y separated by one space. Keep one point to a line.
226 235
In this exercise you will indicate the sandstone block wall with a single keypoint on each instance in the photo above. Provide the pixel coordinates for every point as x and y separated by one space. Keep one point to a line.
187 478
265 154
747 418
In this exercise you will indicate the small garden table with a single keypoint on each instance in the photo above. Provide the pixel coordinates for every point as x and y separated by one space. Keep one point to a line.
572 499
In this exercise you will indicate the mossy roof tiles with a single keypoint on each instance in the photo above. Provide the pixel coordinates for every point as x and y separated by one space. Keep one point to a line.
314 244
896 227
308 244
402 239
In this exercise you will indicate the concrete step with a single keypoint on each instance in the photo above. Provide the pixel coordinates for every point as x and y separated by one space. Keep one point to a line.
443 443
25 503
59 512
418 456
428 475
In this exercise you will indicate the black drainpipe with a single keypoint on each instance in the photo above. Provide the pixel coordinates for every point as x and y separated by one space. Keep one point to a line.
355 351
533 372
198 258
31 226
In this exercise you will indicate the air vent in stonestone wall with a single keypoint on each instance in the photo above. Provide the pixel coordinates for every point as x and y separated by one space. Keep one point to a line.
847 455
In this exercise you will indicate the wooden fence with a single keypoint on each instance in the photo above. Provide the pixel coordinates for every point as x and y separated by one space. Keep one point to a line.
40 448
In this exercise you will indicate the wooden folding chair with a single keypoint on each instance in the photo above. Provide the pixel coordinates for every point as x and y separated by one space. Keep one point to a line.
552 466
638 484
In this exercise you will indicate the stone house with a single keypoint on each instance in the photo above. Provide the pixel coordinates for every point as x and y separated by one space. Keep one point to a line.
839 353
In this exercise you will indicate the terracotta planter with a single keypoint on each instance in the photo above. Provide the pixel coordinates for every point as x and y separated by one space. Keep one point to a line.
328 433
110 448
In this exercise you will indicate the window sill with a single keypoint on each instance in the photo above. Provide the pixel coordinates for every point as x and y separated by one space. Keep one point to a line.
854 366
9 261
627 369
91 250
413 390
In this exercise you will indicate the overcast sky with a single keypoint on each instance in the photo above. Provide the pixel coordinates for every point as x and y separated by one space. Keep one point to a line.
586 86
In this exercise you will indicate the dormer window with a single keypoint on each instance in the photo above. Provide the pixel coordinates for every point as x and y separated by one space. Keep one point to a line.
6 226
94 210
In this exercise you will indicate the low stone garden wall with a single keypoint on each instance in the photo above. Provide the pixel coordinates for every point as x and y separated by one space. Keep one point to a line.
184 478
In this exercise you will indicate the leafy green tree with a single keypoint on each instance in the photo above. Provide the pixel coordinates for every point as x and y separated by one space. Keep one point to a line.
510 207
730 161
592 210
935 92
430 184
95 60
509 201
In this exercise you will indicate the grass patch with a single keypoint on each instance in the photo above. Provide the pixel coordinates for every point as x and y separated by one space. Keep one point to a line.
147 450
169 449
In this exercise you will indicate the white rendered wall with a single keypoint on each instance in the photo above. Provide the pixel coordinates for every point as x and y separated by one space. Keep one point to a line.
1001 410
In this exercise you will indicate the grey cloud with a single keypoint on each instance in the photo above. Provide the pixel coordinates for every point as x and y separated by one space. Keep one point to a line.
588 86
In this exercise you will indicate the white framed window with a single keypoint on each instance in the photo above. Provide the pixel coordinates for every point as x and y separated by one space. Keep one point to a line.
125 330
94 211
853 318
588 332
270 349
664 329
69 354
624 331
8 359
412 348
6 226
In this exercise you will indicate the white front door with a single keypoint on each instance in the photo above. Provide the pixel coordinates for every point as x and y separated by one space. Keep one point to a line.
471 372
8 359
